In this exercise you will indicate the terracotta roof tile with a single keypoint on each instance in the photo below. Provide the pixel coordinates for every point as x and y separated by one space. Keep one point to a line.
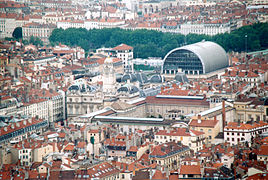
123 47
203 123
190 169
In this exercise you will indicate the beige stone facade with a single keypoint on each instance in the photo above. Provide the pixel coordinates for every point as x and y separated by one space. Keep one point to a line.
247 111
211 128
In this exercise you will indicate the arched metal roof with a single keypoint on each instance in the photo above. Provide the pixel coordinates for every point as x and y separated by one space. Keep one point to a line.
212 55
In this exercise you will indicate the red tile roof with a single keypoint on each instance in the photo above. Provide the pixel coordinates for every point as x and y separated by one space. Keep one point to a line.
69 147
185 102
263 151
203 123
12 127
81 145
190 169
122 47
159 175
133 149
234 125
93 131
179 132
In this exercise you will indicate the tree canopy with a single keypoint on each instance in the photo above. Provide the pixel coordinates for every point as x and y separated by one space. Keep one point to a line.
17 33
35 41
150 43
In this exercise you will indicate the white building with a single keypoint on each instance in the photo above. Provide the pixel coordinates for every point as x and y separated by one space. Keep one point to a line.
25 156
125 53
7 24
65 24
111 23
235 133
227 159
83 98
208 29
36 107
91 24
151 61
43 31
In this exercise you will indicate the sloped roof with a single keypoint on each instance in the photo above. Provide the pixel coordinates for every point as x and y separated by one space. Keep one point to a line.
204 123
122 47
190 169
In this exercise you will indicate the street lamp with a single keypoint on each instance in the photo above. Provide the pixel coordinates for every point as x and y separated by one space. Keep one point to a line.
246 43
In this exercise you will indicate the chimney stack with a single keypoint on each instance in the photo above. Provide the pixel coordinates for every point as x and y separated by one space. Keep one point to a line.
199 118
223 115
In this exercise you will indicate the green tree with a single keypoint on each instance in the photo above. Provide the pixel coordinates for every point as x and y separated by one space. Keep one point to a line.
148 43
36 41
17 33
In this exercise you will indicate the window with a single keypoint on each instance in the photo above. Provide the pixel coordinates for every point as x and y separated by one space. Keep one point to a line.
123 176
209 137
232 139
232 133
201 130
209 130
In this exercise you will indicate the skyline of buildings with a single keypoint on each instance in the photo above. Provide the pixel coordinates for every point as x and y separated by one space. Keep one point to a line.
65 113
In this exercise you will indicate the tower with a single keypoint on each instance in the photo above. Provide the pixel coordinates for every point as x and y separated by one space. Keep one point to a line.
109 78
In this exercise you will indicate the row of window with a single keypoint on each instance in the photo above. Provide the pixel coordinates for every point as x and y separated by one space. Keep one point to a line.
238 134
233 139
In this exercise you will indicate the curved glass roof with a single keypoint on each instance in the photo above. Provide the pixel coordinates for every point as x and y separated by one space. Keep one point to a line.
211 55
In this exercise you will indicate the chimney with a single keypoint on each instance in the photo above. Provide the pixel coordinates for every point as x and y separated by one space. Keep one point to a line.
223 115
199 118
215 118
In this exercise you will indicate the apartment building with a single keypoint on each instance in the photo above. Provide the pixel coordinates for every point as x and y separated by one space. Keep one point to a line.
210 127
250 109
168 154
191 138
235 133
7 24
36 108
56 104
19 130
207 29
43 31
125 53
